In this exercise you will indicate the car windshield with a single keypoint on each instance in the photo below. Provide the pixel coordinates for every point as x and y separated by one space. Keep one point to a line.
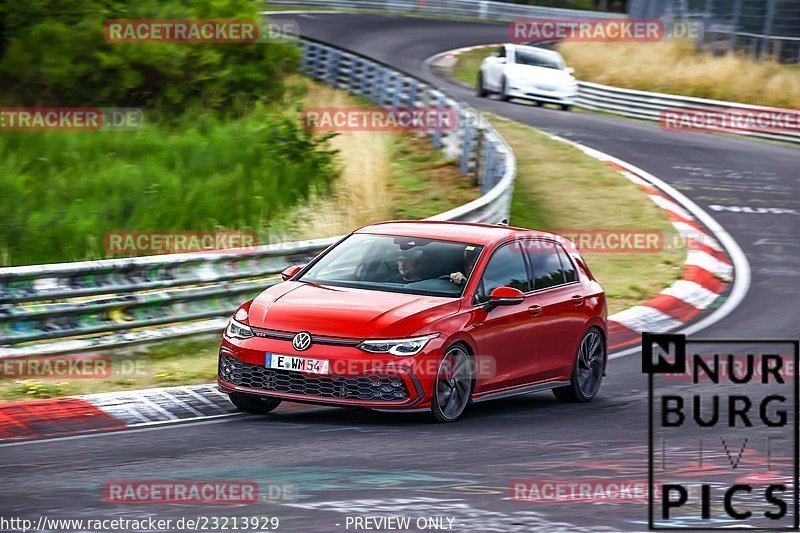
538 59
410 265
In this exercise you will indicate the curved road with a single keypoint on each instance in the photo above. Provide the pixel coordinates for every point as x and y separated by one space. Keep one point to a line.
350 463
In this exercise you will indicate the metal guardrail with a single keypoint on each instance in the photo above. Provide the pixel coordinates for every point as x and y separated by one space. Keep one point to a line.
649 106
480 9
69 307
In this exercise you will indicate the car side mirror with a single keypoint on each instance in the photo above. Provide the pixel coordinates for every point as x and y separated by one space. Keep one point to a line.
290 272
501 60
570 70
503 296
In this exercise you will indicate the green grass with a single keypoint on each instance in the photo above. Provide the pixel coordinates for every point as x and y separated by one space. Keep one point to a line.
161 364
62 191
468 63
424 182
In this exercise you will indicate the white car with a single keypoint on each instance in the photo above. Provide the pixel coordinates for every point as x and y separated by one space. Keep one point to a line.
518 71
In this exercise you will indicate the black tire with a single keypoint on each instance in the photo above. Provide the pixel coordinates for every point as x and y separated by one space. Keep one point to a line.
503 91
587 372
480 90
254 404
538 103
566 107
455 381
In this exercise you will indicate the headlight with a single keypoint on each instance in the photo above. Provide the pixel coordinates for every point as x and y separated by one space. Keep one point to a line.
237 330
398 347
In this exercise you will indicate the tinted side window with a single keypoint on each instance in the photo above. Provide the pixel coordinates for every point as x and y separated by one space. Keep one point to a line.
506 268
546 265
567 265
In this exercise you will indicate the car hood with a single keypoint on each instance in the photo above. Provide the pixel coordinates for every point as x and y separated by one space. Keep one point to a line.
346 312
549 76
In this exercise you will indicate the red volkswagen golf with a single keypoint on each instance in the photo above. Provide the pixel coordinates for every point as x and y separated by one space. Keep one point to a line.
421 316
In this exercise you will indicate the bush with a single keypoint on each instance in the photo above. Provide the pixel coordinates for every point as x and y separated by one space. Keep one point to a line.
54 53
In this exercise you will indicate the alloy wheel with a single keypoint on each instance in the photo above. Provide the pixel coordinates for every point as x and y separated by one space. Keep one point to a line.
453 383
591 359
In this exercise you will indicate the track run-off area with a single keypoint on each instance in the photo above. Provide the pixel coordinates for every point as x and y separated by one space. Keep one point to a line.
349 462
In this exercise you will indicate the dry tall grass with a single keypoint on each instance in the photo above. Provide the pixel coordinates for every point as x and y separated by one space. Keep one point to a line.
361 194
678 68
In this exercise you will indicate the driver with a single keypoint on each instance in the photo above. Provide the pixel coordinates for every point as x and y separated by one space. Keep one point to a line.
470 258
411 265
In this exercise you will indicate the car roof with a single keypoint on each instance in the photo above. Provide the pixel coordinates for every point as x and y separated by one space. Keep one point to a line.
466 232
537 50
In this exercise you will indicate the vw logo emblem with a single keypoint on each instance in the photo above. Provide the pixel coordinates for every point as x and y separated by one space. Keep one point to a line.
302 341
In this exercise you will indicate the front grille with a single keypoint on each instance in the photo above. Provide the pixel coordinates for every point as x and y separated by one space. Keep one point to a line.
367 388
315 339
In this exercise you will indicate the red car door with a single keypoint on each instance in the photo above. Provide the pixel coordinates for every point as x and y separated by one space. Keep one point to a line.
507 334
555 282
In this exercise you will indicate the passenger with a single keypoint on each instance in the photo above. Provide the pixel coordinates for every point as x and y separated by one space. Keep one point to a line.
470 258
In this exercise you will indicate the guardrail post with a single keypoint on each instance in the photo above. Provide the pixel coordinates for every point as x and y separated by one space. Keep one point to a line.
398 91
389 89
478 154
413 92
737 10
310 57
768 27
320 58
368 80
488 179
355 64
377 84
332 74
466 144
499 164
437 133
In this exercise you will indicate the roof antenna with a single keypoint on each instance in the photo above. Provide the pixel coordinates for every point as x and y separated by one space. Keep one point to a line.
503 222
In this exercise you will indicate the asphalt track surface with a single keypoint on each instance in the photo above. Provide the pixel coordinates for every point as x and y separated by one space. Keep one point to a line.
353 463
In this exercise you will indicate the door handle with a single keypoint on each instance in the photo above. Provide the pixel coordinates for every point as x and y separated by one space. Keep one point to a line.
535 310
577 299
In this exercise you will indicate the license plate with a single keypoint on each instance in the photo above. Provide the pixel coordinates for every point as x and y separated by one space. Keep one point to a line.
296 364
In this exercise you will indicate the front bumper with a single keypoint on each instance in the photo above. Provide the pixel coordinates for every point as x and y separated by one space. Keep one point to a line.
356 378
558 96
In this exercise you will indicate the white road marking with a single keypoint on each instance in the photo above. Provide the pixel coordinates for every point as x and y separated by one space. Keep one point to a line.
709 262
690 232
139 428
644 318
692 293
669 205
